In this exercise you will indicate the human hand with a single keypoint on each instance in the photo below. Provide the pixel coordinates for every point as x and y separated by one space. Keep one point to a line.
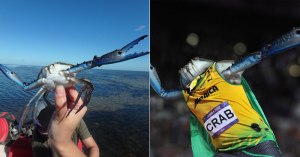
61 127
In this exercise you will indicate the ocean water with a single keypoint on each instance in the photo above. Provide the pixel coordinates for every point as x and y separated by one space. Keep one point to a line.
118 113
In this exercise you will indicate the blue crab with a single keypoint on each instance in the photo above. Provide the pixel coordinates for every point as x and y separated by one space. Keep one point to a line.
65 74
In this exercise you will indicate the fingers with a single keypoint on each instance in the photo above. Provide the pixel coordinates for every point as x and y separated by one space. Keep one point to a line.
60 101
61 127
72 95
60 96
81 113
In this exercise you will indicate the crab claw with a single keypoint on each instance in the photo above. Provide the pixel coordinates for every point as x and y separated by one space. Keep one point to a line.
285 42
130 45
120 55
11 75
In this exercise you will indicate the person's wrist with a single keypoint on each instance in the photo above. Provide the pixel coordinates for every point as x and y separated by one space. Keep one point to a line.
62 137
67 148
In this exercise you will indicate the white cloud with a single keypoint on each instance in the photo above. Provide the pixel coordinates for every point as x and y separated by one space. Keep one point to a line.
139 28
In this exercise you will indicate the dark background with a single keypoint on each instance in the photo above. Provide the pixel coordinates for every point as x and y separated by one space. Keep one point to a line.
219 26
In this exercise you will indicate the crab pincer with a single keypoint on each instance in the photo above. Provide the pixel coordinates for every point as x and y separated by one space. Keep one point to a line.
119 55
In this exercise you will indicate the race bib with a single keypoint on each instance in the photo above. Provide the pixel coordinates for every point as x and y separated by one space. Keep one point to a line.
219 119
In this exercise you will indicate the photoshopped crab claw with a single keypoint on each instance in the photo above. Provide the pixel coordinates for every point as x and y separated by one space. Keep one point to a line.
11 75
285 42
120 55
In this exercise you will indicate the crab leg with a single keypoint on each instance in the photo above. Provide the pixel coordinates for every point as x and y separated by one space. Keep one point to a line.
156 85
35 109
26 108
87 96
14 77
45 97
285 42
88 88
11 75
115 56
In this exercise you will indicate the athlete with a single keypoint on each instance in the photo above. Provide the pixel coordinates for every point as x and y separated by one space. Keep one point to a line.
226 118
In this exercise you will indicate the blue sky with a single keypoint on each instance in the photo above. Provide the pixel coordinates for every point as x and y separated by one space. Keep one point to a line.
35 32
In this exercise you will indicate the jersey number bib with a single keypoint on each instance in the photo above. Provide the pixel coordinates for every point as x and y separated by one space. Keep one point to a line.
219 119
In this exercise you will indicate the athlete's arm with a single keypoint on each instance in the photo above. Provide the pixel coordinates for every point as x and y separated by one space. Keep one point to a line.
156 85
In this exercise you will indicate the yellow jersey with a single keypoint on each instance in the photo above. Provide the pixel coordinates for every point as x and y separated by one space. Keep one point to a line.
225 112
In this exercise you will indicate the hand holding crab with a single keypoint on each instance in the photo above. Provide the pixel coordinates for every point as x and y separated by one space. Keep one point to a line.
65 74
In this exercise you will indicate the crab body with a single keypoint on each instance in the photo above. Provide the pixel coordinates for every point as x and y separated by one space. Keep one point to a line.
53 75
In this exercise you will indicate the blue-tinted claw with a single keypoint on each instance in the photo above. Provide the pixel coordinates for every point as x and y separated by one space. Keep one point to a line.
115 56
11 75
130 45
119 55
156 85
285 42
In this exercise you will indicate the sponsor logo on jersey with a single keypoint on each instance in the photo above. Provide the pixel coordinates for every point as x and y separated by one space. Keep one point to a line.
211 90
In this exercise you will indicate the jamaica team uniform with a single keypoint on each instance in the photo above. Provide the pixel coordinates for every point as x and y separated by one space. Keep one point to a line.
229 115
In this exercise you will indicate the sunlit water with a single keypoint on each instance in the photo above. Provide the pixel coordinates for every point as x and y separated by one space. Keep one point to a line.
117 114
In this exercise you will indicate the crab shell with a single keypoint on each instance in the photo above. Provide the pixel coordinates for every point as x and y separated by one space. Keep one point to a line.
193 69
53 75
